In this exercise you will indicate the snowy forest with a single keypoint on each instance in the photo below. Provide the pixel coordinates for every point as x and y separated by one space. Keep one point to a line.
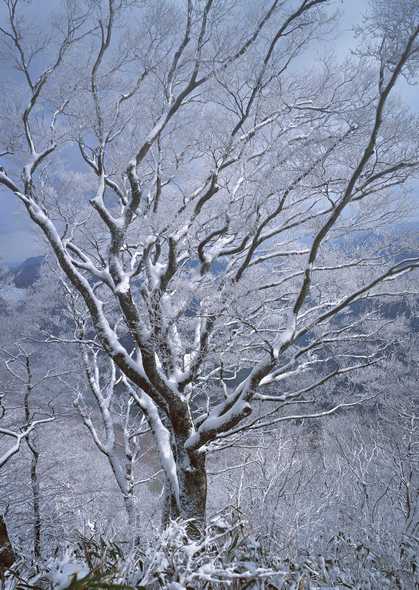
209 362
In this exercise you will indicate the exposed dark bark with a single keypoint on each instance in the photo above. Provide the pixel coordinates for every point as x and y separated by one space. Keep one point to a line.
33 447
192 478
37 525
7 556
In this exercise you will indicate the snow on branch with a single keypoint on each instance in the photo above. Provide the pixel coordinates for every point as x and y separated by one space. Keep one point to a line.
19 437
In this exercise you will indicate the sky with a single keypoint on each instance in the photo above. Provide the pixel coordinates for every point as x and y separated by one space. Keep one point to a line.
19 239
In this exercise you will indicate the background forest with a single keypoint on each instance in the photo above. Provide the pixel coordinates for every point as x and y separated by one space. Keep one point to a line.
332 499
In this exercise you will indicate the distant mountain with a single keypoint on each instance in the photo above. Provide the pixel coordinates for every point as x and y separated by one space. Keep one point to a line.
16 279
28 272
24 274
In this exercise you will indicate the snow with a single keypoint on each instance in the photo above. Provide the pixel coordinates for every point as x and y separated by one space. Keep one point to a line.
215 250
149 241
65 571
156 272
281 376
139 363
124 285
162 436
283 338
218 423
181 233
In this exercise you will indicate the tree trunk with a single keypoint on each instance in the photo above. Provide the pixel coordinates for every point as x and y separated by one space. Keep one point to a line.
130 510
7 557
122 470
32 443
37 549
192 478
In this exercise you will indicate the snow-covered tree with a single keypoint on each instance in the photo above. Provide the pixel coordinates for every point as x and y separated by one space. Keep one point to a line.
12 437
218 255
121 439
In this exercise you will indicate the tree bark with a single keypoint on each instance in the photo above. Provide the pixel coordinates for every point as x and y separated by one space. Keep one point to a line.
37 525
130 510
34 449
7 556
192 479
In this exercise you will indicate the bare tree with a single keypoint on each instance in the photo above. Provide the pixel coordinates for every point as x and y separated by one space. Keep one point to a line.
121 443
18 436
217 261
19 368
